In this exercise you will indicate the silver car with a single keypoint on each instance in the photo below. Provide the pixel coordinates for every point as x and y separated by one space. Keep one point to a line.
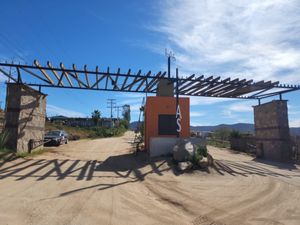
56 137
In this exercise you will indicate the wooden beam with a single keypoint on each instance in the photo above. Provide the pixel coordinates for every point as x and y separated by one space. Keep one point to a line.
191 83
143 81
66 74
76 75
19 80
211 84
55 73
98 80
217 87
86 76
77 79
157 80
43 71
231 85
35 75
201 84
7 75
117 76
240 90
97 77
113 83
135 80
188 79
125 80
106 82
264 90
150 84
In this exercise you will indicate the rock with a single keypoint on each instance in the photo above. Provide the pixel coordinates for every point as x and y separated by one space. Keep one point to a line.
210 159
204 162
184 166
183 150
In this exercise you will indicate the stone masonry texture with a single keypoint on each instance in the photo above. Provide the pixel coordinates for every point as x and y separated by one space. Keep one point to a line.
25 116
272 131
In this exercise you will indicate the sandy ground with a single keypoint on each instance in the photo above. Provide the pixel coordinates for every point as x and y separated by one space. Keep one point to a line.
100 182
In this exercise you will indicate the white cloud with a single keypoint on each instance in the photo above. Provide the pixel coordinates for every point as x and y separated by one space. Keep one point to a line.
201 124
241 107
55 110
236 111
252 39
294 123
194 100
196 114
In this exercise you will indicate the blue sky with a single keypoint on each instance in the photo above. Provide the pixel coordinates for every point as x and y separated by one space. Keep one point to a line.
248 39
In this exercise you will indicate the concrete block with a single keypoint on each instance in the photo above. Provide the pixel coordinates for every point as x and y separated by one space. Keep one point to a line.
161 146
164 145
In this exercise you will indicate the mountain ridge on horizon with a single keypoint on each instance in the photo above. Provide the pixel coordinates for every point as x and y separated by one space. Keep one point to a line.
241 127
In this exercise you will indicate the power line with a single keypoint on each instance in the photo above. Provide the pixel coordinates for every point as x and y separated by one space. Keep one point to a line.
118 108
111 103
13 47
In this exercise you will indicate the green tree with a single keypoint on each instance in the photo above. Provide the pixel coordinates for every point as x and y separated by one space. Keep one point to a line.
124 124
96 116
222 134
235 134
126 112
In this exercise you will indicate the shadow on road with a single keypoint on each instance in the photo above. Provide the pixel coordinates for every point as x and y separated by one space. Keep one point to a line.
247 168
126 168
123 166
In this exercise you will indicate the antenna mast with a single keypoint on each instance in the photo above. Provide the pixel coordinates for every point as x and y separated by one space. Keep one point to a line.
171 56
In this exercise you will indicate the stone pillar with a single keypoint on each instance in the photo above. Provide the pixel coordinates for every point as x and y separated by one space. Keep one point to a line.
165 88
272 131
2 115
25 117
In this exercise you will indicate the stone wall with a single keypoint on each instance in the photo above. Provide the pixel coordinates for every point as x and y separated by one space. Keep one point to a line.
272 131
2 115
25 117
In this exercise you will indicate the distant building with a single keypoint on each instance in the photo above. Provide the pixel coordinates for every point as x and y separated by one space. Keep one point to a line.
84 122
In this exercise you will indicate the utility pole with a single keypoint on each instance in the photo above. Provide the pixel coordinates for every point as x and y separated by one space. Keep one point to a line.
170 56
178 115
118 108
111 104
0 104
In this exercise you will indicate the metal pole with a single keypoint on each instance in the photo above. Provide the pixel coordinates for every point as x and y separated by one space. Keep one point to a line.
111 104
169 66
177 98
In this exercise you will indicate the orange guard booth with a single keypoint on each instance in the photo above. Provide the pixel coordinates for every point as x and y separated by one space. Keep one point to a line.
160 118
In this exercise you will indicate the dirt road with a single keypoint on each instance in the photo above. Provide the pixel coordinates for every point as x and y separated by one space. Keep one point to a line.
100 182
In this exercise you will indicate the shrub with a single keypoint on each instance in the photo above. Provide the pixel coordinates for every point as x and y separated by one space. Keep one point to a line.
221 134
235 134
74 137
3 139
200 152
124 124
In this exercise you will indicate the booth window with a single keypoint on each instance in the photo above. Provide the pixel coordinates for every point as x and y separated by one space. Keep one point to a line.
167 124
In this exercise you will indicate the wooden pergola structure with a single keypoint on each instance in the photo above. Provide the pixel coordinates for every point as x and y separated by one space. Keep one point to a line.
193 85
